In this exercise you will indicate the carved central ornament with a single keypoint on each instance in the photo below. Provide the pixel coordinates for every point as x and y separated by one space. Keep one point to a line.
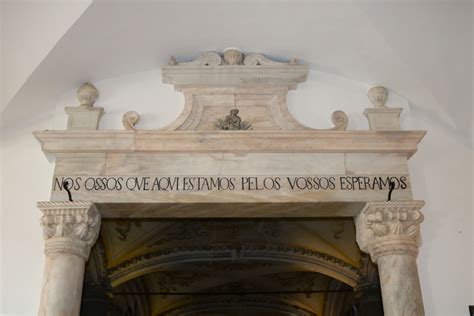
232 122
230 56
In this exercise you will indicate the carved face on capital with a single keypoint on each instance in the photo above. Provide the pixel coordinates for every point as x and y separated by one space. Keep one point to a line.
378 96
232 57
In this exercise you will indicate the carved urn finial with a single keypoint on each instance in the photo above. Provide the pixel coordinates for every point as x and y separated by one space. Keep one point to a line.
378 96
233 56
87 94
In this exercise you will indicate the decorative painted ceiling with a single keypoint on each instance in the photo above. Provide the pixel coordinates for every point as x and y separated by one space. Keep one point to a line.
228 267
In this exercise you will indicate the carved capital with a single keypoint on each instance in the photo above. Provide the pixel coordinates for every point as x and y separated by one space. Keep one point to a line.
69 227
385 228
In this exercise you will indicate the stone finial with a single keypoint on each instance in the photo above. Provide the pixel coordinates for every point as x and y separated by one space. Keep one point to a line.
233 56
381 117
378 96
172 61
87 94
85 116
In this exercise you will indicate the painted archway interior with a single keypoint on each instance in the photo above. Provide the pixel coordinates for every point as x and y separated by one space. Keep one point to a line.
234 153
315 264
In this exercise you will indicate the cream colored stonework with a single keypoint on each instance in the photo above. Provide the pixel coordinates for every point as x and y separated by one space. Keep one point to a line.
390 233
69 229
85 116
235 125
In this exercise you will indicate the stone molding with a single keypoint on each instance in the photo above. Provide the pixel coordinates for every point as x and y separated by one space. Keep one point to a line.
288 75
233 67
386 228
403 142
231 56
69 227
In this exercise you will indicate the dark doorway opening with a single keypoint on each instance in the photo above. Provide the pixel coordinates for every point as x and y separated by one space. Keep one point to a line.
230 267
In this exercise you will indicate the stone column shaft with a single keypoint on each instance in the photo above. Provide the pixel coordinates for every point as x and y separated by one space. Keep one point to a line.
390 233
70 229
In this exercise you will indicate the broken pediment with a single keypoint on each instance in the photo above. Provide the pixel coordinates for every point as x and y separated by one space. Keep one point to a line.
235 91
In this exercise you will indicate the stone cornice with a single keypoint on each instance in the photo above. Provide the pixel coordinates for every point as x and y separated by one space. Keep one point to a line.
234 68
69 227
402 142
286 75
393 227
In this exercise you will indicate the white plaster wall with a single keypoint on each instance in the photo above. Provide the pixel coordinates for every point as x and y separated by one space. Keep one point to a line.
441 175
30 29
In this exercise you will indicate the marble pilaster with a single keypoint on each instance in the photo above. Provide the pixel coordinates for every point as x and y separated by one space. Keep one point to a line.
390 233
69 229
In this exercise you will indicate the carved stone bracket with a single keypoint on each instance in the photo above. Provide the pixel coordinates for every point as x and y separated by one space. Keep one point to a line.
385 228
69 227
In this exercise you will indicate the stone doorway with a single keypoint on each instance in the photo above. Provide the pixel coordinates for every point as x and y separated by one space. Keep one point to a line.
234 153
277 266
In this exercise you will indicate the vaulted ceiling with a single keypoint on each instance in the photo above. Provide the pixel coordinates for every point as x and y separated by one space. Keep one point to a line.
228 267
420 49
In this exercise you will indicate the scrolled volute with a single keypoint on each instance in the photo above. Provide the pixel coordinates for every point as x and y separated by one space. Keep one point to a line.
340 120
129 120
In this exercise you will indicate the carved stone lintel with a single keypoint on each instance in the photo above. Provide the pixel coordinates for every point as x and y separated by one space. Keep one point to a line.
69 227
393 227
